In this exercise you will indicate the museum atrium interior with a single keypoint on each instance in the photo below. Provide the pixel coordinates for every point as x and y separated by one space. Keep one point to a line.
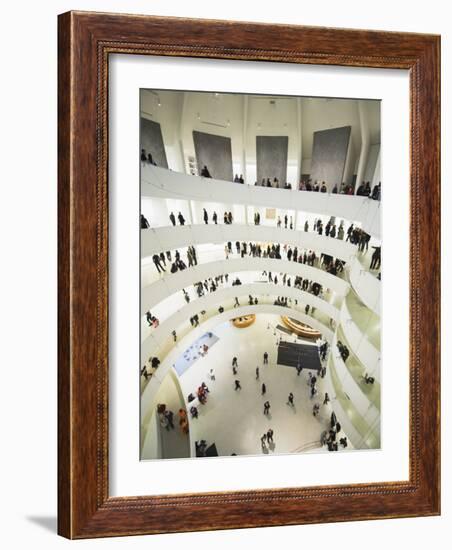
260 274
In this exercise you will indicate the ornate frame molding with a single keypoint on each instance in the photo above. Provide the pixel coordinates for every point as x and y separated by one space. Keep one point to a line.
85 42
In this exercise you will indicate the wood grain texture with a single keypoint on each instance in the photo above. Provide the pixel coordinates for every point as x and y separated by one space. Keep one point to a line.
85 42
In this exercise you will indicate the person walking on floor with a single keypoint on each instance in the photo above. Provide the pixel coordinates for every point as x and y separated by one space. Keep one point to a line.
237 385
267 408
326 399
265 358
270 434
290 399
257 373
169 415
263 389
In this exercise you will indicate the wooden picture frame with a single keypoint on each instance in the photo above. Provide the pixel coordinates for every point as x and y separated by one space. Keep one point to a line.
86 40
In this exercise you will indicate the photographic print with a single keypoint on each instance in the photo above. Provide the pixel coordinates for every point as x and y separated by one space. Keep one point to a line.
220 265
260 274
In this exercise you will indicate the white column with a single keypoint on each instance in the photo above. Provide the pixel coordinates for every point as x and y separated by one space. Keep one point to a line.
190 208
365 143
181 131
300 140
244 128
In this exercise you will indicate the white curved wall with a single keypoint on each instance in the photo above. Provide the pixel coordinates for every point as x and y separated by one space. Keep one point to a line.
366 286
362 434
173 282
160 239
363 349
159 182
156 338
360 400
349 429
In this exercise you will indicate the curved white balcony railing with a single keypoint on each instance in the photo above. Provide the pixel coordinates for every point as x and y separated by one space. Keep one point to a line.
185 341
160 239
157 340
365 398
362 433
358 340
163 183
366 286
173 282
328 303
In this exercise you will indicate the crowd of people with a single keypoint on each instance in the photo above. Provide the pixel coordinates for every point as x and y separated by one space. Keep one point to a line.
178 263
343 351
147 157
149 369
275 251
354 234
166 418
266 182
330 437
364 189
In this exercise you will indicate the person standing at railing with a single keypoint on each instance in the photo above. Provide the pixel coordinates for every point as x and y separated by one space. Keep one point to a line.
158 265
376 258
172 218
181 219
376 192
205 216
144 224
205 172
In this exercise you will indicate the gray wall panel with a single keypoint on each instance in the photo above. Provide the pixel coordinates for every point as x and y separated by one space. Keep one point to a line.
271 158
152 141
329 153
214 152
